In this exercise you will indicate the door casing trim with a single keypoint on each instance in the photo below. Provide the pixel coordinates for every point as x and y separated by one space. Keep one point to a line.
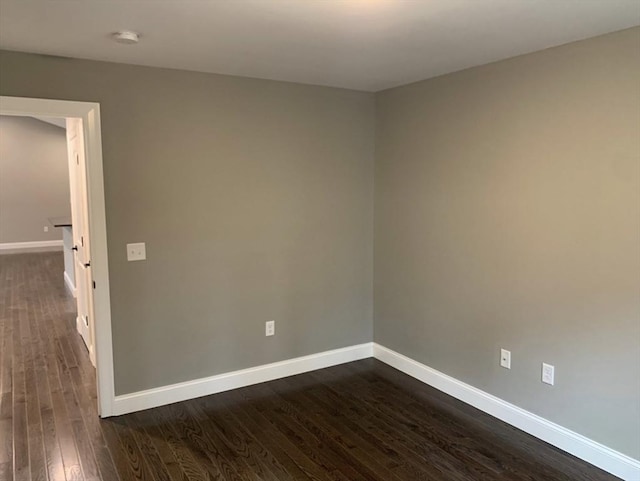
89 112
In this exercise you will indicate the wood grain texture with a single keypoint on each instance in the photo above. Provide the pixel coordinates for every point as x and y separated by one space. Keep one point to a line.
361 421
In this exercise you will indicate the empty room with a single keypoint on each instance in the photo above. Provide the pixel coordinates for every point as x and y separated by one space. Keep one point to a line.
347 240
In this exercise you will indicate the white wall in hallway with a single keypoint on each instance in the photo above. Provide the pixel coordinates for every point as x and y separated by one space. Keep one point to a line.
34 180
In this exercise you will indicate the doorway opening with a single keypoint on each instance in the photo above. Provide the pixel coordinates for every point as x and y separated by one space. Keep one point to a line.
88 240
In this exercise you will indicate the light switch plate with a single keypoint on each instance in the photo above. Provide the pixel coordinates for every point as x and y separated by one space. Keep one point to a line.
136 252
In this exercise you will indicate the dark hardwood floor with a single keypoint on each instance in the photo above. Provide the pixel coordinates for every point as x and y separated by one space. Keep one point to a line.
355 422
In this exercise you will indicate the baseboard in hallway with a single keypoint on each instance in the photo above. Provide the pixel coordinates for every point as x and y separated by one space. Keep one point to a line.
32 246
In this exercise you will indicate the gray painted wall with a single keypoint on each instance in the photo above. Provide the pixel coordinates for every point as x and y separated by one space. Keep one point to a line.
34 179
505 217
507 214
255 200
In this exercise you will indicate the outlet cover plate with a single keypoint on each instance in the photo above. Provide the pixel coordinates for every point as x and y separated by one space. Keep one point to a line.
270 328
505 358
548 373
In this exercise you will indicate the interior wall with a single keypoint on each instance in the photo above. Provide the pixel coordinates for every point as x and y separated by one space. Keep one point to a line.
254 199
34 179
507 215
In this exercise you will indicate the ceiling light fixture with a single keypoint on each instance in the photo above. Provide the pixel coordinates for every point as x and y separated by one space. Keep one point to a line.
127 37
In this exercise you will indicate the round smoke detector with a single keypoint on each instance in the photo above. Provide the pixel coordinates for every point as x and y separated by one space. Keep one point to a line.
127 37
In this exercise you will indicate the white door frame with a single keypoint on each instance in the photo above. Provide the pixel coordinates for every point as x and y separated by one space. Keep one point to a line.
89 112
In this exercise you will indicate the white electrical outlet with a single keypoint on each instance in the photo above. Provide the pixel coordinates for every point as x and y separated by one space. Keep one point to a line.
46 228
548 373
270 328
136 252
505 358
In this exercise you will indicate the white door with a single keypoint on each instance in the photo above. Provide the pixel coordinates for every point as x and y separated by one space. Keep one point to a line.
80 228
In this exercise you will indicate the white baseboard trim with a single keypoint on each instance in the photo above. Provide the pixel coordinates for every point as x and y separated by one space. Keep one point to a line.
580 446
182 391
584 448
30 246
69 284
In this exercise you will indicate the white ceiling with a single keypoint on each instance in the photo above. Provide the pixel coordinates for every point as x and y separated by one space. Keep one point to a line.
360 44
58 122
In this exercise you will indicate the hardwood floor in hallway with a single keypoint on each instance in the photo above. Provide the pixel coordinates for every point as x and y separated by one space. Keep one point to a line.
354 422
49 423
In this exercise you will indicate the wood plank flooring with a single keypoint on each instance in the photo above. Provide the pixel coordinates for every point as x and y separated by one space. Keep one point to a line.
355 422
